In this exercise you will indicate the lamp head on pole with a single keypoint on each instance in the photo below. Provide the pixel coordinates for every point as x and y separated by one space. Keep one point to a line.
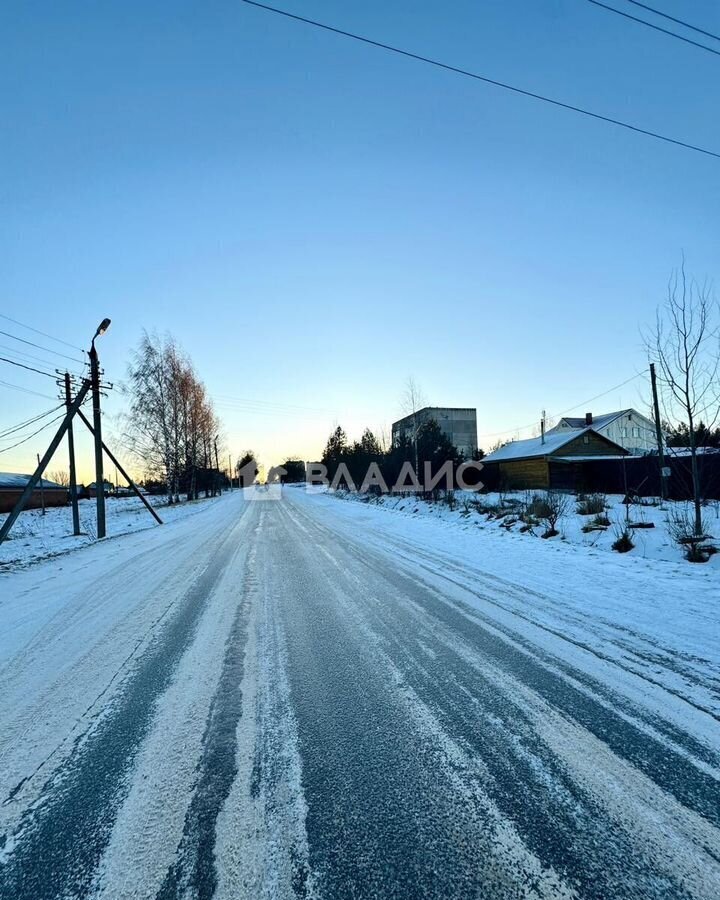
102 328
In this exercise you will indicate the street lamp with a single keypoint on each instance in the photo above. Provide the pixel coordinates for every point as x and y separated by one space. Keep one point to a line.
101 329
97 428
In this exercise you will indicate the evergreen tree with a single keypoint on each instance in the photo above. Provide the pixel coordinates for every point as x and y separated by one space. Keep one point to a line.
336 450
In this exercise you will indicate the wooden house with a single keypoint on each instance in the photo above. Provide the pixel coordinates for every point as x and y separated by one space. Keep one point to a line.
627 427
12 486
555 461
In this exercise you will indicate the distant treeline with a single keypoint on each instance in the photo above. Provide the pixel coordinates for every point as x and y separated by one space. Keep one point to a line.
430 446
679 435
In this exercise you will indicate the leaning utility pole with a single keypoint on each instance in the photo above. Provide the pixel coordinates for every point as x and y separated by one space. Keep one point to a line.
97 429
32 483
71 453
658 434
42 489
124 474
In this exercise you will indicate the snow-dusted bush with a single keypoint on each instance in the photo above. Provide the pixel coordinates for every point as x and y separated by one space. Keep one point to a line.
552 506
682 530
592 505
623 543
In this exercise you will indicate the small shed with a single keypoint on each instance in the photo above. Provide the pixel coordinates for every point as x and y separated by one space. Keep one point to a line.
12 485
553 461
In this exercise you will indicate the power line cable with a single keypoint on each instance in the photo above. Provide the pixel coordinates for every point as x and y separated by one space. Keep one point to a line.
604 393
29 368
40 347
24 390
659 28
28 422
570 409
27 356
474 75
34 434
38 331
664 15
20 356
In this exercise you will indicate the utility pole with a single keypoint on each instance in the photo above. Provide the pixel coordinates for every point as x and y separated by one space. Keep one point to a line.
42 490
97 430
217 466
71 453
230 469
658 434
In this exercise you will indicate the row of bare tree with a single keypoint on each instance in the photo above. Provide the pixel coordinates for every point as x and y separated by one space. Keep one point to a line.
171 426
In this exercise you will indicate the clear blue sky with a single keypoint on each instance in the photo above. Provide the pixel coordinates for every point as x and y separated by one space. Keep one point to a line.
315 219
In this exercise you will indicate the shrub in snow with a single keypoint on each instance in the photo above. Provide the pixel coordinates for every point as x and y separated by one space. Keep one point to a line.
591 505
537 507
681 528
623 542
551 507
601 521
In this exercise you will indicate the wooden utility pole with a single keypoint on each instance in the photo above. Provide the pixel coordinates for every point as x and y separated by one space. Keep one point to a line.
71 454
97 431
658 434
217 466
230 469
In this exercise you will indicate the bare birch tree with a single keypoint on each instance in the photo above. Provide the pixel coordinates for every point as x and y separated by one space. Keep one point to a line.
685 345
413 400
171 426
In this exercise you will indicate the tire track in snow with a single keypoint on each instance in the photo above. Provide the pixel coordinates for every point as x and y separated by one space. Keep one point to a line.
149 826
262 848
47 858
674 661
665 737
194 873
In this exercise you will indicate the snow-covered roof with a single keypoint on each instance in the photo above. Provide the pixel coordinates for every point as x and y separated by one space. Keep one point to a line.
554 441
13 481
600 421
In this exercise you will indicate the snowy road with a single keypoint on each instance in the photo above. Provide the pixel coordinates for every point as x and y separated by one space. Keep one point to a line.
312 698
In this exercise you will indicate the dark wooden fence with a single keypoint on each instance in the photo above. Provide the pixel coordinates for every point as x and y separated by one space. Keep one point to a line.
636 474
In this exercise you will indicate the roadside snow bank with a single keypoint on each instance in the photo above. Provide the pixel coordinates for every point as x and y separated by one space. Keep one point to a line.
502 513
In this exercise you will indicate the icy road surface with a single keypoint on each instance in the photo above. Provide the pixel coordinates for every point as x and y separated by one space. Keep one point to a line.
313 698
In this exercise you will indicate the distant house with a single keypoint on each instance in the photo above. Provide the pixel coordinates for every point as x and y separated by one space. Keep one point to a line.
626 427
555 461
91 490
12 485
458 424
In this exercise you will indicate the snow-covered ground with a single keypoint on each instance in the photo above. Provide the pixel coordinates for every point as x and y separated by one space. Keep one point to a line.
500 513
36 536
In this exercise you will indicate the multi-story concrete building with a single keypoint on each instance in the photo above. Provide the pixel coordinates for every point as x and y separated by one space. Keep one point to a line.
458 424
